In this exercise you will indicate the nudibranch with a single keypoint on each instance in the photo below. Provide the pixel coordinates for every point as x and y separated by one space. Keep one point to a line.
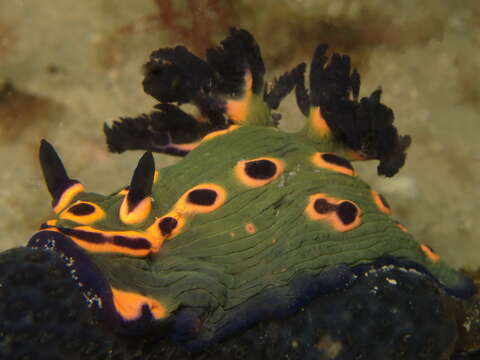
258 244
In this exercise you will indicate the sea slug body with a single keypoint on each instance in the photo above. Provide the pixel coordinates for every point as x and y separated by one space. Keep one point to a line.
258 244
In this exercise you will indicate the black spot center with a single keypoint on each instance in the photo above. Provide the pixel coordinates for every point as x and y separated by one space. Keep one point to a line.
322 206
205 197
131 243
82 209
167 225
337 160
135 243
347 212
260 169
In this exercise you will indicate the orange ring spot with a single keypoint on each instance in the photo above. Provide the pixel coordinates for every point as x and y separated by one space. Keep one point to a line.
129 305
241 175
317 160
429 253
318 123
98 214
155 232
110 247
186 146
52 222
183 206
237 110
381 205
67 197
138 214
250 228
340 226
355 155
310 209
402 227
331 216
156 176
122 192
217 133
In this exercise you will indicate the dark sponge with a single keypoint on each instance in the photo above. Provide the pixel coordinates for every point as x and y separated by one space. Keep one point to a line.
387 314
44 315
390 314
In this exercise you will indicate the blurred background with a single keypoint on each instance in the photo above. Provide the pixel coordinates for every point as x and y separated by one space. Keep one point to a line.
68 66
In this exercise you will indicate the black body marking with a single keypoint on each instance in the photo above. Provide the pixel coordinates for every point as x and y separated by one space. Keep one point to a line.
347 212
142 181
136 243
239 53
260 169
54 172
167 225
131 243
365 126
337 160
161 131
322 206
82 209
384 201
284 85
175 75
204 197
